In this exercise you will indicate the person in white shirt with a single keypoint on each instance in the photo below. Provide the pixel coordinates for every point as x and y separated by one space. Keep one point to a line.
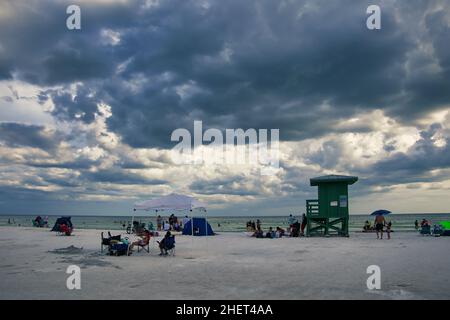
185 220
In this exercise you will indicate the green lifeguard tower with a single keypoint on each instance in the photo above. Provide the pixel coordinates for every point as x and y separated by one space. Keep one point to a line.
329 214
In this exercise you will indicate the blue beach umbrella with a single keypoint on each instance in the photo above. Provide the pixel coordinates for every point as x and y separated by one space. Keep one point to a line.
380 213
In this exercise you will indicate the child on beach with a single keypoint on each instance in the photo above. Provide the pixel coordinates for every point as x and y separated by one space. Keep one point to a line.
388 229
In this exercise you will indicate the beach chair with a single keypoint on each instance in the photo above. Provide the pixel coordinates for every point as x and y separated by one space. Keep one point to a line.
106 242
145 245
169 245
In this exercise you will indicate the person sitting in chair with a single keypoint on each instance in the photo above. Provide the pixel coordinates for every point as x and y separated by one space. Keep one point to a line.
65 229
163 244
145 235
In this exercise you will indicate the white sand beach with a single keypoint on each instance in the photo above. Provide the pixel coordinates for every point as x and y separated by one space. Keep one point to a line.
226 266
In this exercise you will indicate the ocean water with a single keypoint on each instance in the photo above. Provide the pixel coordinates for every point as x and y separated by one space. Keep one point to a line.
400 222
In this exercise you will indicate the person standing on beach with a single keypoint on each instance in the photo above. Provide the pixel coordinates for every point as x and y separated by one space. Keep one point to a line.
291 220
158 223
379 225
416 224
185 220
304 223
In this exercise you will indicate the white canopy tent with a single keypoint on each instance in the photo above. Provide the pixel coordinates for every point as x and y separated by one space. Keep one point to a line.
172 202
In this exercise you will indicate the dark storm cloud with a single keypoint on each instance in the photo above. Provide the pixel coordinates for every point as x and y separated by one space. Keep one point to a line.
299 66
119 176
282 68
416 164
82 106
38 47
17 135
234 185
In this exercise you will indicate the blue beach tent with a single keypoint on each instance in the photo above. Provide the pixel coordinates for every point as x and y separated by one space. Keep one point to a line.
201 227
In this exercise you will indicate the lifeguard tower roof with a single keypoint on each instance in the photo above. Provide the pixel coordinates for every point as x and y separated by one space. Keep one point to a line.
333 178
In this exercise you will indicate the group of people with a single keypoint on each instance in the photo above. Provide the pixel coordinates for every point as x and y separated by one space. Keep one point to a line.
166 243
173 223
296 228
380 226
424 223
270 234
40 222
380 223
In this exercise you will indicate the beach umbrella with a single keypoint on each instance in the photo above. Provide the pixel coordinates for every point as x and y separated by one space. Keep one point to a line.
380 213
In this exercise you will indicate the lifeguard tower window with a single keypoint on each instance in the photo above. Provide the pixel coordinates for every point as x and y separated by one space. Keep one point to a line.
329 214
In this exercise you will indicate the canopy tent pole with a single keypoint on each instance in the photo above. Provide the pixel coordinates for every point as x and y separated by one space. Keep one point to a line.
155 226
132 220
192 223
206 224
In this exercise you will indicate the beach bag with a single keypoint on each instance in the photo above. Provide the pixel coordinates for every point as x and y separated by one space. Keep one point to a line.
118 249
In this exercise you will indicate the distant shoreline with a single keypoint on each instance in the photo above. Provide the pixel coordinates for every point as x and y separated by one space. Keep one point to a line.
217 232
167 213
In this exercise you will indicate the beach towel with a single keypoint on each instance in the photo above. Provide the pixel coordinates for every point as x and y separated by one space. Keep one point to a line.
445 225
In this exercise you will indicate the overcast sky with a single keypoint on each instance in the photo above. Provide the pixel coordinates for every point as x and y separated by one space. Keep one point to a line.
86 115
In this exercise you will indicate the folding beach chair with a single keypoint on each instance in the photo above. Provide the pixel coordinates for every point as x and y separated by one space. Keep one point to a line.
145 245
106 242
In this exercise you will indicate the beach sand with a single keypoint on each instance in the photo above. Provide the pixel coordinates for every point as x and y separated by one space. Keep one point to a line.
226 266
